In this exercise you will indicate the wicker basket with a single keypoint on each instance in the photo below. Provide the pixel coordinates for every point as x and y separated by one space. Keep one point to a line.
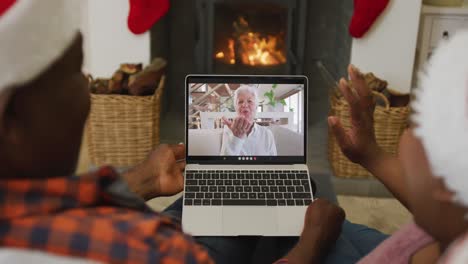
389 124
123 129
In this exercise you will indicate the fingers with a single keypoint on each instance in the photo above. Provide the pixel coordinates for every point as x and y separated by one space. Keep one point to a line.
177 183
351 98
247 125
360 99
347 92
179 151
240 126
337 128
244 124
227 122
240 123
359 83
362 90
181 165
235 126
321 204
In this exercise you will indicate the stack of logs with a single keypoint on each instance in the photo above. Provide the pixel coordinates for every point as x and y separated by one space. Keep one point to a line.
131 79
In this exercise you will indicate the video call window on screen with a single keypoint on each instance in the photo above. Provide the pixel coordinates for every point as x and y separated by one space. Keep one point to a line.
245 119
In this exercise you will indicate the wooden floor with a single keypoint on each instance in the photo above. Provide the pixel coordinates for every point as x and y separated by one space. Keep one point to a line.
384 214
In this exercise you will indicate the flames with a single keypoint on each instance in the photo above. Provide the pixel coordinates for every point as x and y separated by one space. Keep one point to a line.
251 48
231 58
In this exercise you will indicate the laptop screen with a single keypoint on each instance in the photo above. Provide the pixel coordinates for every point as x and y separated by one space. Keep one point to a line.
246 119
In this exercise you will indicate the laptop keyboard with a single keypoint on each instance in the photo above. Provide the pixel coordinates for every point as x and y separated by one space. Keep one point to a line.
247 187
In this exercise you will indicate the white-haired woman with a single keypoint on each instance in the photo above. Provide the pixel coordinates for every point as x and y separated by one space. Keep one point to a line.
241 136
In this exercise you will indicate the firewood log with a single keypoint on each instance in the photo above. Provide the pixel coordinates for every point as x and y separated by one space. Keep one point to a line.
146 81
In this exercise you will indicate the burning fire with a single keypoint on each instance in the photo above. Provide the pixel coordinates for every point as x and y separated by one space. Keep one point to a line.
251 47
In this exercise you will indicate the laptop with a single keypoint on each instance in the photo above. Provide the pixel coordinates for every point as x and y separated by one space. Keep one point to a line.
246 140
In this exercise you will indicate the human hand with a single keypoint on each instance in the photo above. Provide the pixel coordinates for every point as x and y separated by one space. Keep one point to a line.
160 174
359 143
240 126
322 226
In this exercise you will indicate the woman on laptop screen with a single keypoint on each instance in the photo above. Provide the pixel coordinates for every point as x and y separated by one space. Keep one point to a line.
241 135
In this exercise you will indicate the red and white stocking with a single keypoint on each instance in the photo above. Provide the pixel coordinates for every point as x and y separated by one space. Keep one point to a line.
144 13
365 14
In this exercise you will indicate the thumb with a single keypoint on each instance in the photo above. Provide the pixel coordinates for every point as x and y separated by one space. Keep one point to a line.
339 132
179 151
227 122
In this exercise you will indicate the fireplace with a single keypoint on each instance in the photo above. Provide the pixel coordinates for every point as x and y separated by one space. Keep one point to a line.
250 37
194 32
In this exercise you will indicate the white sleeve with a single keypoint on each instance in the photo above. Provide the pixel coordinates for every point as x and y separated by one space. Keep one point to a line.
271 144
231 145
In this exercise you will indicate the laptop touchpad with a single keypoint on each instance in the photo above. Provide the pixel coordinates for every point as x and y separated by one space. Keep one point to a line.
255 220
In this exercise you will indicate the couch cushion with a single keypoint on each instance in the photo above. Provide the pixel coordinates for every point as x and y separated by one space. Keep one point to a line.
204 142
207 142
288 142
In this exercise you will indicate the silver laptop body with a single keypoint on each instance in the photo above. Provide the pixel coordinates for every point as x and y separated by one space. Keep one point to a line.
245 195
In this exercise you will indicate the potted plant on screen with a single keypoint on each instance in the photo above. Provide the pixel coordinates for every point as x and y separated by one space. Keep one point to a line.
271 104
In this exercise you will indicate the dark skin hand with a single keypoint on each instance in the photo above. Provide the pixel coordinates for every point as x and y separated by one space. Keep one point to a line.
359 144
322 226
160 174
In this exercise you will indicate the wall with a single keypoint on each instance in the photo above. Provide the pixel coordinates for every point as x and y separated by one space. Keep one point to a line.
107 40
388 49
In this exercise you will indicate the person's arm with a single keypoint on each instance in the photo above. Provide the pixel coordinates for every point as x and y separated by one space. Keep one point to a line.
359 143
161 174
388 169
322 226
231 145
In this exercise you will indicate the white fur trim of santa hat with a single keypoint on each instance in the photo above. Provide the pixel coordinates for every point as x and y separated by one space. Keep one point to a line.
33 35
457 252
441 114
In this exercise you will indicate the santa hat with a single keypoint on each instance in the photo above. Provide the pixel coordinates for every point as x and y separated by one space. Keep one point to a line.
441 114
457 252
34 34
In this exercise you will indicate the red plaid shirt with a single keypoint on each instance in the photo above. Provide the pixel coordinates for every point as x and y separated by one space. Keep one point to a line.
82 217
